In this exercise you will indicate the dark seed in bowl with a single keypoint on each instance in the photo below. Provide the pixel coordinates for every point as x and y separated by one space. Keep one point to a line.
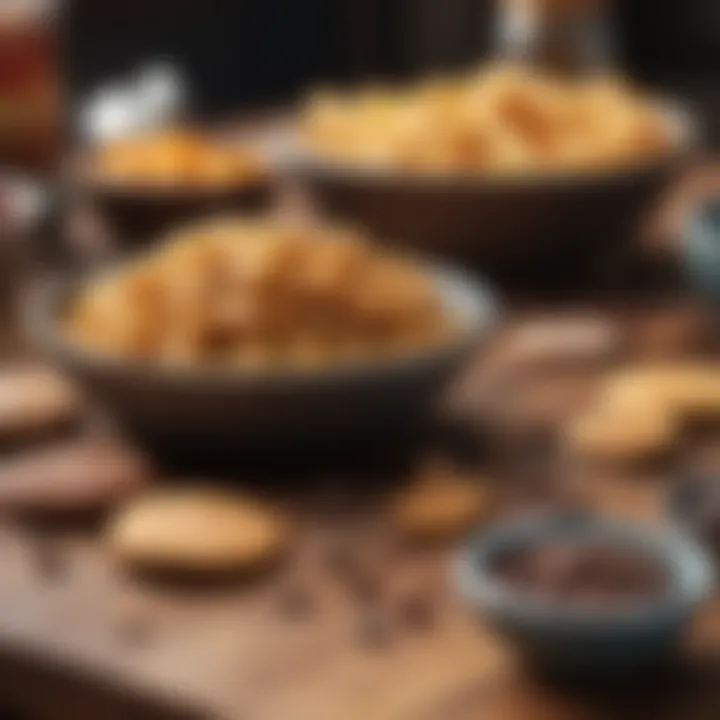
588 575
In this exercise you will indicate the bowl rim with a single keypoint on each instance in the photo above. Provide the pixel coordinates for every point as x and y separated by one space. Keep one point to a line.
692 574
703 223
81 173
179 192
692 489
42 309
292 155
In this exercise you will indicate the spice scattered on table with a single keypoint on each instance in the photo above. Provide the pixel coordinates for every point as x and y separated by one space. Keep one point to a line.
375 627
417 610
296 602
133 629
49 559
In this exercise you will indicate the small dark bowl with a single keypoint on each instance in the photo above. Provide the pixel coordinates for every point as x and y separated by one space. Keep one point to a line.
137 214
513 226
570 640
174 411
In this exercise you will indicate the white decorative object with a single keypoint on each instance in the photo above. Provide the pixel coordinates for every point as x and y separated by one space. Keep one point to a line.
160 93
155 96
108 114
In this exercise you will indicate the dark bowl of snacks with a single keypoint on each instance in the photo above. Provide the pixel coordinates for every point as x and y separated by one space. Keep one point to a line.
142 186
702 250
506 168
251 333
586 596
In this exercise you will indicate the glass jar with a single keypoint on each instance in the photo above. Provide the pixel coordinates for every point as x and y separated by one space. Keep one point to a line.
24 205
562 35
30 96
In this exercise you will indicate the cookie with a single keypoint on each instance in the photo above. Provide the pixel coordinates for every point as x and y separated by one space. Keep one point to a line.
686 389
627 434
75 477
441 504
695 394
191 530
35 401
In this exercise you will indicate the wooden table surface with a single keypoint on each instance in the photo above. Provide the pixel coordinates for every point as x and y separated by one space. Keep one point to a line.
80 639
84 633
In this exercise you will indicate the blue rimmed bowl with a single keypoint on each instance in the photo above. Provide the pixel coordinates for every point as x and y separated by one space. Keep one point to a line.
693 503
572 639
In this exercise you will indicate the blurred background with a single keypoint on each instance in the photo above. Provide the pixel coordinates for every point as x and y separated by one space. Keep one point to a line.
260 52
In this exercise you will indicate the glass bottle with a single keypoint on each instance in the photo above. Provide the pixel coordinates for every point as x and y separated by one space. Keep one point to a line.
569 36
30 95
31 116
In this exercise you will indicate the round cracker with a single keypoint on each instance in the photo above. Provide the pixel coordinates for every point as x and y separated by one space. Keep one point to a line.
74 477
197 530
440 505
627 433
35 400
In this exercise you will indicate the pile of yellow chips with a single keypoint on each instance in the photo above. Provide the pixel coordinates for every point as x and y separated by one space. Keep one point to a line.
258 293
502 119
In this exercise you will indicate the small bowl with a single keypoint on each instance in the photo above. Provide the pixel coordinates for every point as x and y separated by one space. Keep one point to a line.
702 250
574 641
137 214
176 410
512 225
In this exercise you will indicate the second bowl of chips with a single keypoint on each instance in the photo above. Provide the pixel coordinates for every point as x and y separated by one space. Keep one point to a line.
508 171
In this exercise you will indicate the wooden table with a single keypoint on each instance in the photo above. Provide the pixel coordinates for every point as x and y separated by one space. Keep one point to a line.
79 639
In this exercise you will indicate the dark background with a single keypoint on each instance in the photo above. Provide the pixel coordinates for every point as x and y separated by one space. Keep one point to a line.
258 52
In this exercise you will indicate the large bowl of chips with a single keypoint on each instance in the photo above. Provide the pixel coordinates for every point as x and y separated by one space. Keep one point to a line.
505 168
258 335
